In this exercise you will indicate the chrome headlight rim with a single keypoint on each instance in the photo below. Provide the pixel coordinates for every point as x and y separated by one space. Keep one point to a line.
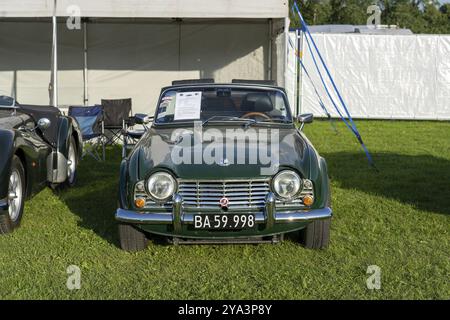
294 196
152 196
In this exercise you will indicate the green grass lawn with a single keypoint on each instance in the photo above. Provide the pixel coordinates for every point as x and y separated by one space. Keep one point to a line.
397 219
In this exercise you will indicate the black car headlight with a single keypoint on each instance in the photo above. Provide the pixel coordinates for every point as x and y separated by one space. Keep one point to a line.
161 186
287 184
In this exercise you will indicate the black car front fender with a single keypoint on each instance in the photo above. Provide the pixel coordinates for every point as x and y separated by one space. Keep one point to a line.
57 160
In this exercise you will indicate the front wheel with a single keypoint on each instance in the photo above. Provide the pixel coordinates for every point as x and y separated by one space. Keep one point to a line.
317 234
131 238
72 163
16 197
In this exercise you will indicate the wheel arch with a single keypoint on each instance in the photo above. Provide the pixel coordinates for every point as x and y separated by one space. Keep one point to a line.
20 153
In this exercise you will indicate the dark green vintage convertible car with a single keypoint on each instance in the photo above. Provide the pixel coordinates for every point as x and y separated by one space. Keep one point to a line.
224 163
38 147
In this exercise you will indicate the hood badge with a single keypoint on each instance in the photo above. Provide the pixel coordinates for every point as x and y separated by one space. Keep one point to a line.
224 202
224 162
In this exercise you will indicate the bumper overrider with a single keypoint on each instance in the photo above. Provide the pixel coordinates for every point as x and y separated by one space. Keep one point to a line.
177 218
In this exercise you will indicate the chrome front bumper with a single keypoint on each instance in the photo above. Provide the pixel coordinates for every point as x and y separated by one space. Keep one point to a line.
177 217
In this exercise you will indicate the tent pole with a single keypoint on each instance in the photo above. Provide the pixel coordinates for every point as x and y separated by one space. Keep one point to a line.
55 59
85 70
269 62
300 71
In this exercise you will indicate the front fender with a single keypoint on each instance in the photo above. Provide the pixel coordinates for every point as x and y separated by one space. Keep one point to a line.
123 185
57 160
318 173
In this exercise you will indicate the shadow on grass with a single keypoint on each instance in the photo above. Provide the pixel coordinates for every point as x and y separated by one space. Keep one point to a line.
420 181
94 198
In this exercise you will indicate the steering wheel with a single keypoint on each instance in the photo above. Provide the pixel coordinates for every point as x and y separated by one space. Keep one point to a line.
258 114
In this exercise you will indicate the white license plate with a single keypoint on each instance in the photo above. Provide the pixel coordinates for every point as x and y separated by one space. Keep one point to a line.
224 221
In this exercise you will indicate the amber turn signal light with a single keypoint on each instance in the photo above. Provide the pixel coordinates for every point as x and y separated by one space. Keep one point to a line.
308 200
139 203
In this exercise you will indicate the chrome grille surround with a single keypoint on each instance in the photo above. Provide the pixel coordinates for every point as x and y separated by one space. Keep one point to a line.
206 194
242 194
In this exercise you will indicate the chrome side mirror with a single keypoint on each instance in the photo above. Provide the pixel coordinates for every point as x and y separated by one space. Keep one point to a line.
7 101
304 119
43 124
141 118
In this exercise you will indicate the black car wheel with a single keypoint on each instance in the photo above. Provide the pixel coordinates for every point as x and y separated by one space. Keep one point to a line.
317 234
72 163
131 238
16 197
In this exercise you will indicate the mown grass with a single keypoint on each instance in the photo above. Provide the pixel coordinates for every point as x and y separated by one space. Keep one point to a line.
397 219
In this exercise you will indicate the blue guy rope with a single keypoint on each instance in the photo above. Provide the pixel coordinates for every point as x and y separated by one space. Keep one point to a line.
349 123
322 105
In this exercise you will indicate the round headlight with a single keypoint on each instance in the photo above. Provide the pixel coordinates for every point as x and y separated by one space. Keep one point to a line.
287 184
161 186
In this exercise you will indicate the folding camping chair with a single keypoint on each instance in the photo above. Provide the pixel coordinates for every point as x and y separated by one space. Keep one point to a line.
132 134
90 120
116 113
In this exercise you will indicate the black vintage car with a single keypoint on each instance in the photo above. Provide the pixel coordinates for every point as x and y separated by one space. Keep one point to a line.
38 147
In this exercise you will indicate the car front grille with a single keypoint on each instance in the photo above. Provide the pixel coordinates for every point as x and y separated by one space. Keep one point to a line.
240 193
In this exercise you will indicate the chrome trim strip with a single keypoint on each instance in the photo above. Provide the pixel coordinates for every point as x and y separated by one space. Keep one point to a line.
140 218
130 216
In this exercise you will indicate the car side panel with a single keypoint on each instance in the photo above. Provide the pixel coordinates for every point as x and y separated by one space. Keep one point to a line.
31 150
57 161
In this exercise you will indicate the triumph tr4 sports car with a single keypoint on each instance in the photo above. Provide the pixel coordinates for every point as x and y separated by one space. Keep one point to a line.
224 163
39 147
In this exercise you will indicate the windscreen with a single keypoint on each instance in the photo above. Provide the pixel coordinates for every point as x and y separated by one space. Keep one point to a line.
201 104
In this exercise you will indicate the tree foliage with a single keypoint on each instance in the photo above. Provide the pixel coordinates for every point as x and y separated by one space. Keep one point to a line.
421 16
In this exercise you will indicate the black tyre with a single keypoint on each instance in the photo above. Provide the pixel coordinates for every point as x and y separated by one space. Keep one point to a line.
317 234
131 238
16 197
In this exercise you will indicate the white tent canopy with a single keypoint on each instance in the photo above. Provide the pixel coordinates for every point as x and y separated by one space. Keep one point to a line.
133 48
148 9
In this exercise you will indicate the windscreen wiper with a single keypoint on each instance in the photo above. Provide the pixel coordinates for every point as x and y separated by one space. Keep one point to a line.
264 121
248 121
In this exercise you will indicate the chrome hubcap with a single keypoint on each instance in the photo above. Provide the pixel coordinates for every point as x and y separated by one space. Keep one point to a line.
71 164
14 195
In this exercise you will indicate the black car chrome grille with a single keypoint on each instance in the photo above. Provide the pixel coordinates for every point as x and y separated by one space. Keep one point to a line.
240 193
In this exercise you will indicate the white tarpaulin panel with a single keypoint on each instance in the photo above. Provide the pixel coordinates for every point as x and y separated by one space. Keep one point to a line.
147 8
128 60
25 62
140 59
383 76
291 70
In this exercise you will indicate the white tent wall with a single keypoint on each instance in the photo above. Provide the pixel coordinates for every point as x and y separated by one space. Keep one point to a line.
25 62
291 71
383 76
148 8
134 59
137 60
